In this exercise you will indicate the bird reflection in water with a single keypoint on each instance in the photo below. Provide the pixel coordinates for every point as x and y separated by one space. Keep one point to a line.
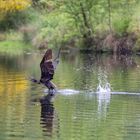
47 114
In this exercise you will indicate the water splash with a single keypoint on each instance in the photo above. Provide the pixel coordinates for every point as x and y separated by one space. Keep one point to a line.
65 91
68 91
103 88
104 85
103 93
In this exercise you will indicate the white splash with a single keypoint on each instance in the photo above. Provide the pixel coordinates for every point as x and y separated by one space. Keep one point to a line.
65 91
103 93
103 88
103 85
68 91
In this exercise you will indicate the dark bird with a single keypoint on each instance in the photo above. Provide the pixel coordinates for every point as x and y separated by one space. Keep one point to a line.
48 66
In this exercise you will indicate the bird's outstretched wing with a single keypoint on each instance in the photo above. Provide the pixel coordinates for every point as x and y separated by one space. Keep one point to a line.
56 60
47 68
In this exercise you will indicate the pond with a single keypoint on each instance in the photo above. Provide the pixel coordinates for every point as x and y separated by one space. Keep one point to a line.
98 98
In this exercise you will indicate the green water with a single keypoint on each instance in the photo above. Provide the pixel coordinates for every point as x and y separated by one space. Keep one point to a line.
77 111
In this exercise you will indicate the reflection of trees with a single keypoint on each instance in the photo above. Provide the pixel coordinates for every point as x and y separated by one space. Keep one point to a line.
76 69
12 105
13 87
19 62
115 61
120 69
12 82
14 71
123 68
81 70
12 62
86 65
79 116
122 61
65 72
12 75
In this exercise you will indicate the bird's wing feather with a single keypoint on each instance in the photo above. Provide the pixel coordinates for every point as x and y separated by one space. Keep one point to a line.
46 65
56 60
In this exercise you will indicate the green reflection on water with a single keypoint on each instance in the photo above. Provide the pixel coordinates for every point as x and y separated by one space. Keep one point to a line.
77 116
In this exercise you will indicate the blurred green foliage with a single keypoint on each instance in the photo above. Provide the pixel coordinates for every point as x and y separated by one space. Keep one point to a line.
60 21
14 47
16 19
121 25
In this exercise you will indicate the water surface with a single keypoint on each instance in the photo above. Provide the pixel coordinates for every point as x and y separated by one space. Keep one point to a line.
77 111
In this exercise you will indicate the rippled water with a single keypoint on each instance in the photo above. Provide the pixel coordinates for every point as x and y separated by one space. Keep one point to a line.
84 107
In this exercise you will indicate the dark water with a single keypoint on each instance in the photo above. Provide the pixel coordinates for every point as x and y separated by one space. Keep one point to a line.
77 112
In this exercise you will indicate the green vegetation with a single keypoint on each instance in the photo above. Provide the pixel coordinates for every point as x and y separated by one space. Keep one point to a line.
14 47
87 24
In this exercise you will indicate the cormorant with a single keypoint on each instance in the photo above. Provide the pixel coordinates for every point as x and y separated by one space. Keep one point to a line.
48 66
